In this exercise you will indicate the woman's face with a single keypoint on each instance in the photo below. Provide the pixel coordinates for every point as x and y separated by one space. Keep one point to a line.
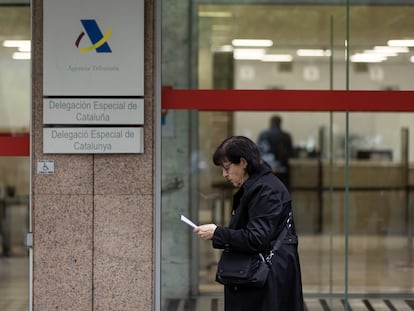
235 173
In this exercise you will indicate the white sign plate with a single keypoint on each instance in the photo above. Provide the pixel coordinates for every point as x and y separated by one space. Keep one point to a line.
93 140
45 167
93 48
93 111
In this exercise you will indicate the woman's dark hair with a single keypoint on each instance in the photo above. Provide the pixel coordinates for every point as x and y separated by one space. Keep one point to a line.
236 147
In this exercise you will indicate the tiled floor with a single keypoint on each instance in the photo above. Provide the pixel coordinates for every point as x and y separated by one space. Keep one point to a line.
379 278
375 265
14 284
216 304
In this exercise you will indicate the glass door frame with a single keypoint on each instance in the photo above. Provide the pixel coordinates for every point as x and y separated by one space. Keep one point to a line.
293 101
18 145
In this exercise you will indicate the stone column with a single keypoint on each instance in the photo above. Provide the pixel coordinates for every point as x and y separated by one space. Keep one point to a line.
93 218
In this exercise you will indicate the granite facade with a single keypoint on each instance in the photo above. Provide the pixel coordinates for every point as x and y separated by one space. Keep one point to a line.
93 218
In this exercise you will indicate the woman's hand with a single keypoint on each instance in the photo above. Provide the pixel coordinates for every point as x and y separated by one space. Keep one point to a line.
205 232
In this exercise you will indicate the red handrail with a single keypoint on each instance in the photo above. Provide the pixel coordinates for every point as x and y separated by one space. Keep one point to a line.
15 144
18 144
288 100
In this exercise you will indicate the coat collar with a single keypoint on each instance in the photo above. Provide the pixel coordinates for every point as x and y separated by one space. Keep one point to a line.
264 169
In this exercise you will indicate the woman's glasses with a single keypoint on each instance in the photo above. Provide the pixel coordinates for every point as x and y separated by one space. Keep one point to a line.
226 167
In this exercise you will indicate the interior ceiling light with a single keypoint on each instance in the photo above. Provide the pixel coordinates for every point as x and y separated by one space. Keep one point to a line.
381 52
21 55
252 42
23 44
313 52
24 48
407 43
248 54
225 48
215 14
277 58
367 58
395 49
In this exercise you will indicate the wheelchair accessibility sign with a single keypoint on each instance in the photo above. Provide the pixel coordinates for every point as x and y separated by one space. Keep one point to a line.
45 167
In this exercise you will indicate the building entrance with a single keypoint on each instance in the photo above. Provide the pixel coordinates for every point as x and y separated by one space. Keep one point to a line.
351 174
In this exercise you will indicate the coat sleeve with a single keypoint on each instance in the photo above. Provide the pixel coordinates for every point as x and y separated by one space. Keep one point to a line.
257 221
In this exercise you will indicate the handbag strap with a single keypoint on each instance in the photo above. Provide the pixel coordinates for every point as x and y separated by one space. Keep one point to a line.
280 238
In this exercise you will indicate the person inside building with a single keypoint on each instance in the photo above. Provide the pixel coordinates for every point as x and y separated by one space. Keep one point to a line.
276 147
261 214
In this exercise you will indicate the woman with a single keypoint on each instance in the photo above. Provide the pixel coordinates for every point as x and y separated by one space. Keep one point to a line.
261 209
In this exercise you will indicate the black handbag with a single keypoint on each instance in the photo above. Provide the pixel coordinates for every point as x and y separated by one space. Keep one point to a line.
244 269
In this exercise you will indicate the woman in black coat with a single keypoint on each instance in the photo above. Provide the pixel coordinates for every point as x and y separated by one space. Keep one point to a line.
261 209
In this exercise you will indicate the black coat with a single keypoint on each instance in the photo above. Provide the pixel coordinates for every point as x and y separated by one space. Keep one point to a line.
261 208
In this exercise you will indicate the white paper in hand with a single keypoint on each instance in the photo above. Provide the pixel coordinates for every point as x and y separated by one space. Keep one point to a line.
188 221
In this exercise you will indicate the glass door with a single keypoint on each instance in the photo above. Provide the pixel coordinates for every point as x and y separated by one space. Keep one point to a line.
351 174
14 155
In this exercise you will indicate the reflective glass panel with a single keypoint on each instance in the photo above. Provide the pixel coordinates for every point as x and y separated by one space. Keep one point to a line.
304 47
351 175
14 171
